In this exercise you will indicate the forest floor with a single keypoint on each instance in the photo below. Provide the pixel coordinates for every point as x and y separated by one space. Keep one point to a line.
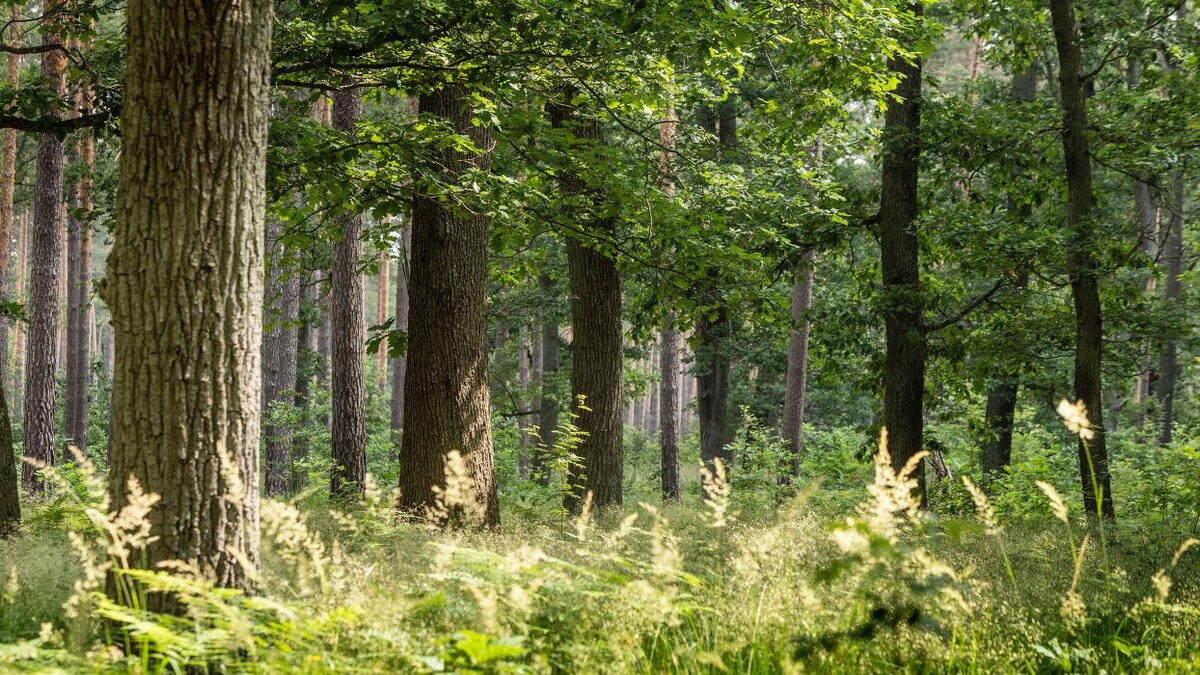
808 584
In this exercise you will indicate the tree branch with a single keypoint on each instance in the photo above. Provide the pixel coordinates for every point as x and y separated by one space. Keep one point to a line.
970 307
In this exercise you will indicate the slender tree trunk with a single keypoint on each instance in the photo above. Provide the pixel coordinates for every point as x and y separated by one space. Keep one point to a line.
903 305
43 309
1147 227
8 178
348 335
10 488
281 340
669 409
597 353
548 404
797 368
185 284
524 357
1085 286
79 285
652 407
446 397
306 352
400 364
537 380
381 315
18 353
1001 404
1168 367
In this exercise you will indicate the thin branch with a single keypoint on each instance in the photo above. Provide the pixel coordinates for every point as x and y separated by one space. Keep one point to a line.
970 307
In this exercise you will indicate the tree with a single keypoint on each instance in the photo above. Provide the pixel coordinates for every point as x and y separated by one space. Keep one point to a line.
41 342
185 282
400 363
280 346
797 366
597 347
348 334
79 283
1081 264
547 403
903 307
446 398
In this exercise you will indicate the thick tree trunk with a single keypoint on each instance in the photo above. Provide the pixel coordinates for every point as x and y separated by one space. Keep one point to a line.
41 361
548 403
797 367
185 283
400 364
446 398
1085 287
903 306
597 344
280 345
669 409
79 286
1002 393
1168 367
348 335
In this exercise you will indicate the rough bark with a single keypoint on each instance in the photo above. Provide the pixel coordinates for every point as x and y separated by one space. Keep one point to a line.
280 345
185 284
597 346
446 398
903 306
400 364
43 309
347 336
10 498
548 403
1001 405
1168 366
797 366
79 285
1081 267
669 409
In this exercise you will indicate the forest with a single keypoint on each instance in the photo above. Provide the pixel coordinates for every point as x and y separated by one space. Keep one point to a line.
599 336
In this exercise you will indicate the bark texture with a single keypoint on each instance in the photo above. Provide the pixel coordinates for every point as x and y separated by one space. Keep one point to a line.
903 305
41 360
347 336
548 404
446 398
597 347
185 282
669 409
281 313
79 286
1081 267
400 363
8 178
797 366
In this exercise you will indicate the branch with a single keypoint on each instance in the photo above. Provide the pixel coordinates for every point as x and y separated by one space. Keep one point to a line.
971 306
49 124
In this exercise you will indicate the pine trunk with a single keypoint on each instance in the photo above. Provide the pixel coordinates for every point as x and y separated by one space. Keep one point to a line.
185 284
347 335
79 285
381 315
1081 267
797 367
400 364
8 179
597 345
41 361
548 404
669 409
280 345
904 365
446 397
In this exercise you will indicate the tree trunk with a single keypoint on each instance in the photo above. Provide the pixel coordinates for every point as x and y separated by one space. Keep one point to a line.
524 349
280 346
306 352
348 335
797 368
548 404
18 352
669 409
1081 267
43 310
597 346
381 315
1168 367
8 178
400 364
1002 391
10 488
653 405
903 306
446 398
79 286
185 283
1147 228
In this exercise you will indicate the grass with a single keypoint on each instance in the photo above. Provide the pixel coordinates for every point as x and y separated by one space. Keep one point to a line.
805 585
